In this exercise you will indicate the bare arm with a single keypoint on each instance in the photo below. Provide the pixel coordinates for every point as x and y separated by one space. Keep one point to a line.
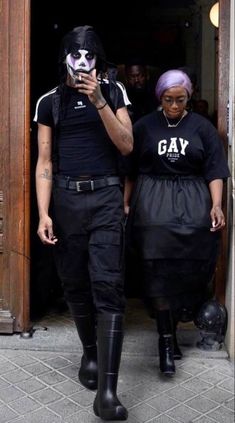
217 216
119 126
44 184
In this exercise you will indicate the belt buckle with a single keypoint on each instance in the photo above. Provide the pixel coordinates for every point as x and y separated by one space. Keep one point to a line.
85 186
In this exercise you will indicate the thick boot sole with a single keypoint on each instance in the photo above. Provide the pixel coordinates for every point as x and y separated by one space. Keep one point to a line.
117 412
168 372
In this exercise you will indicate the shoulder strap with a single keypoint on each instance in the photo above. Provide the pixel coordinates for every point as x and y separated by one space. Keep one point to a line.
113 93
56 101
113 88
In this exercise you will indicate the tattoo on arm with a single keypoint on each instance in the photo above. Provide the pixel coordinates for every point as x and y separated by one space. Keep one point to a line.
45 175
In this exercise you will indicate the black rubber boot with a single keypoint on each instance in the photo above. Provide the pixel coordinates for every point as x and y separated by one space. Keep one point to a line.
110 336
166 347
177 351
84 319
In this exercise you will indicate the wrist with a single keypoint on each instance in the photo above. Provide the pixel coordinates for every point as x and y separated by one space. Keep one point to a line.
101 106
42 214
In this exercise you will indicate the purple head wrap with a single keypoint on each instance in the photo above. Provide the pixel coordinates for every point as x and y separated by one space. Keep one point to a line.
173 78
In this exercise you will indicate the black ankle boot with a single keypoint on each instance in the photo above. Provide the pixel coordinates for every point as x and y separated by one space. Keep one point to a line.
110 336
166 356
84 319
177 351
166 347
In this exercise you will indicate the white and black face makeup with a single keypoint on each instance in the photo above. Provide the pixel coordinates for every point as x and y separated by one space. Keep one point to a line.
80 61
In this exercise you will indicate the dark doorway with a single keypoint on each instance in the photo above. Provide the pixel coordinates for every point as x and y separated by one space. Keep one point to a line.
152 31
129 30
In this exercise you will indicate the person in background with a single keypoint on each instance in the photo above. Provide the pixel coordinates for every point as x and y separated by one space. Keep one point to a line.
84 125
201 107
195 103
140 91
174 196
195 89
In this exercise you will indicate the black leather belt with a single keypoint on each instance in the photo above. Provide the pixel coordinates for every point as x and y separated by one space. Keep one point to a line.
87 185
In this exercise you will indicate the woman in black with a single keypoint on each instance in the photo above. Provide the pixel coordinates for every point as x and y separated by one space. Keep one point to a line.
175 217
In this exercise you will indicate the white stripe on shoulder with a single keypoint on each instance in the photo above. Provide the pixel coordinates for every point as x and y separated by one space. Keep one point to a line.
103 80
35 119
124 93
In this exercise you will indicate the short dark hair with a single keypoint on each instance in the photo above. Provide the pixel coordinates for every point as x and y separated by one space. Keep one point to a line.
135 61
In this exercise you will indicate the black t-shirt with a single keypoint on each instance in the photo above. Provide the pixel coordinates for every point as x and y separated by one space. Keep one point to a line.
83 144
191 148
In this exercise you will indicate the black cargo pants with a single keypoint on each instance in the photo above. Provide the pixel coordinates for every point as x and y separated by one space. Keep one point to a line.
90 249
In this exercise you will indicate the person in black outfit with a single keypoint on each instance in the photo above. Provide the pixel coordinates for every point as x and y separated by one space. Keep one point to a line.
201 107
87 119
175 214
140 91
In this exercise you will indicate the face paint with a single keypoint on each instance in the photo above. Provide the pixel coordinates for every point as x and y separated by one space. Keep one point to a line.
80 61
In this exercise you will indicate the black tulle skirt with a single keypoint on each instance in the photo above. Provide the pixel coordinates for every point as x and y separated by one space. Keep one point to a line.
169 230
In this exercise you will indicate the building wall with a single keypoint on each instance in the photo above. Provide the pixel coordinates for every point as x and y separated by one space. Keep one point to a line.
208 79
230 288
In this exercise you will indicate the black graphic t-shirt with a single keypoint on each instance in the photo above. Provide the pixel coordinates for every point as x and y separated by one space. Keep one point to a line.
83 144
191 148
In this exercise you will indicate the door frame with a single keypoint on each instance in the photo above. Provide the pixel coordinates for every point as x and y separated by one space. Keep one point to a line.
223 125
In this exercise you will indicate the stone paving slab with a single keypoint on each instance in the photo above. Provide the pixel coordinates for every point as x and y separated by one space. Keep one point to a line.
56 396
38 377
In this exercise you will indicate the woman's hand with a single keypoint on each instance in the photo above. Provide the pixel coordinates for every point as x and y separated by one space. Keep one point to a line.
217 219
126 209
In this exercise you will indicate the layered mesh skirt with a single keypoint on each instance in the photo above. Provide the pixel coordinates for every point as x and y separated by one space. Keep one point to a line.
169 230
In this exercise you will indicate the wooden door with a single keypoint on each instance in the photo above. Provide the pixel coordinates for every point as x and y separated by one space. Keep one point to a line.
14 171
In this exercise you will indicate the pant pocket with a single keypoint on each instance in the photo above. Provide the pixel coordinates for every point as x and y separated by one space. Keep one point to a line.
106 251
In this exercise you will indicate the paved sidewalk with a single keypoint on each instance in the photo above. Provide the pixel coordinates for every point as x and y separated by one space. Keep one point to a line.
38 377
